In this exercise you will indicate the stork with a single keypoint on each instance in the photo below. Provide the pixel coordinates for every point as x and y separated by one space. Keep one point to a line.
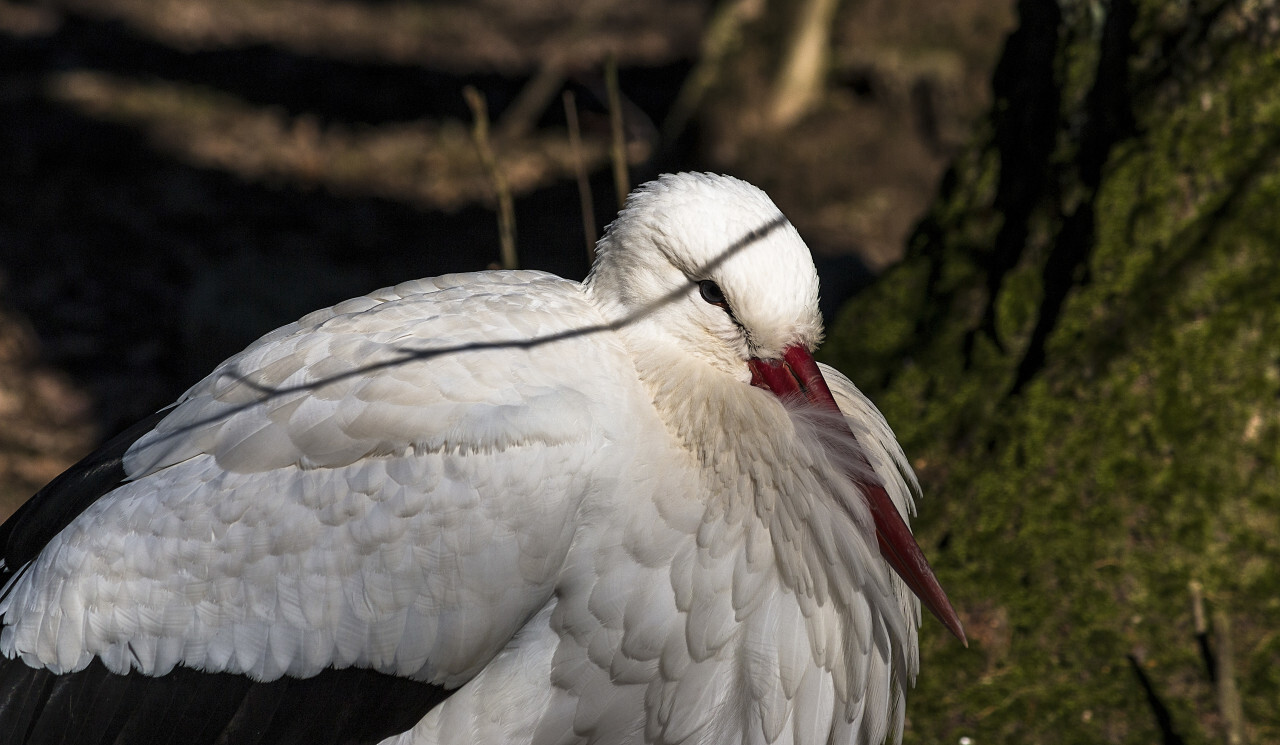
499 507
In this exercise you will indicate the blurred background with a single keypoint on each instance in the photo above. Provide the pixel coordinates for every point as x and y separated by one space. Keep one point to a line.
1046 233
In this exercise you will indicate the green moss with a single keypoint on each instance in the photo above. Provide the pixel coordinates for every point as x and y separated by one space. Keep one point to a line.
1141 456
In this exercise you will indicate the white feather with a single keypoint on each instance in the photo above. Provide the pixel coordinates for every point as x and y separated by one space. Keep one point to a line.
562 499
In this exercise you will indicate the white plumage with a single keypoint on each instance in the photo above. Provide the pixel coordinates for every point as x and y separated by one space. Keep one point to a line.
565 500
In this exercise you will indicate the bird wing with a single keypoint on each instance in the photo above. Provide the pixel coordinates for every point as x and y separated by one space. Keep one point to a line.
389 484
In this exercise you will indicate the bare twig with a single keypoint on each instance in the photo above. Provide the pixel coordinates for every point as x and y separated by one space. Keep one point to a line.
1164 720
1228 695
618 151
1202 629
506 209
1197 607
580 170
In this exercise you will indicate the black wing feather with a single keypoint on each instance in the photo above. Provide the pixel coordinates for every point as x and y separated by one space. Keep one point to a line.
37 521
188 707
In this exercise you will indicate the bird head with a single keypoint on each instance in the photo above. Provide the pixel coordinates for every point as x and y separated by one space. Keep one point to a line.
710 265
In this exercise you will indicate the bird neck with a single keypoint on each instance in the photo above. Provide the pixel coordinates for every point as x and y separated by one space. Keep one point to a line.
752 455
767 469
709 412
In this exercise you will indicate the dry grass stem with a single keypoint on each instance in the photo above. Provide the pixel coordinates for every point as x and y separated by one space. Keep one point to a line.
585 202
621 179
506 209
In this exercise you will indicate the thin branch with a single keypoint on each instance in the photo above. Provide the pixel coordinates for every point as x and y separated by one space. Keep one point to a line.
406 355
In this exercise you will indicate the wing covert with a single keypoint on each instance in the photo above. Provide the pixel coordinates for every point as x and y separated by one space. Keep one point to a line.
391 483
463 362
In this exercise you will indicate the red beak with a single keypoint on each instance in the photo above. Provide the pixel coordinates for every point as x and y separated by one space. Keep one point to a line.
798 374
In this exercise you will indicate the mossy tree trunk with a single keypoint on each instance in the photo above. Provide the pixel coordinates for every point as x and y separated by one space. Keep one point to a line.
1081 353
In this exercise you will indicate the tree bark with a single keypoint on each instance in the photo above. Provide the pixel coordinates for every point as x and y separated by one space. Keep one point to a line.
1079 353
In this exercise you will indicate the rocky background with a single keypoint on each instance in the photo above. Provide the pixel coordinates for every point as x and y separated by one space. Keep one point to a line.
1055 223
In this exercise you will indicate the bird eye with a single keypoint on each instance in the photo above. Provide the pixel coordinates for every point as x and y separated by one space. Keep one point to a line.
712 293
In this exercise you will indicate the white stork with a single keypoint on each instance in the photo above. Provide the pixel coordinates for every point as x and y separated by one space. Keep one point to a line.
499 507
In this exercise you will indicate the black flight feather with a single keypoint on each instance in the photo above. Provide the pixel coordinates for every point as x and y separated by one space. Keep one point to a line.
94 706
188 707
